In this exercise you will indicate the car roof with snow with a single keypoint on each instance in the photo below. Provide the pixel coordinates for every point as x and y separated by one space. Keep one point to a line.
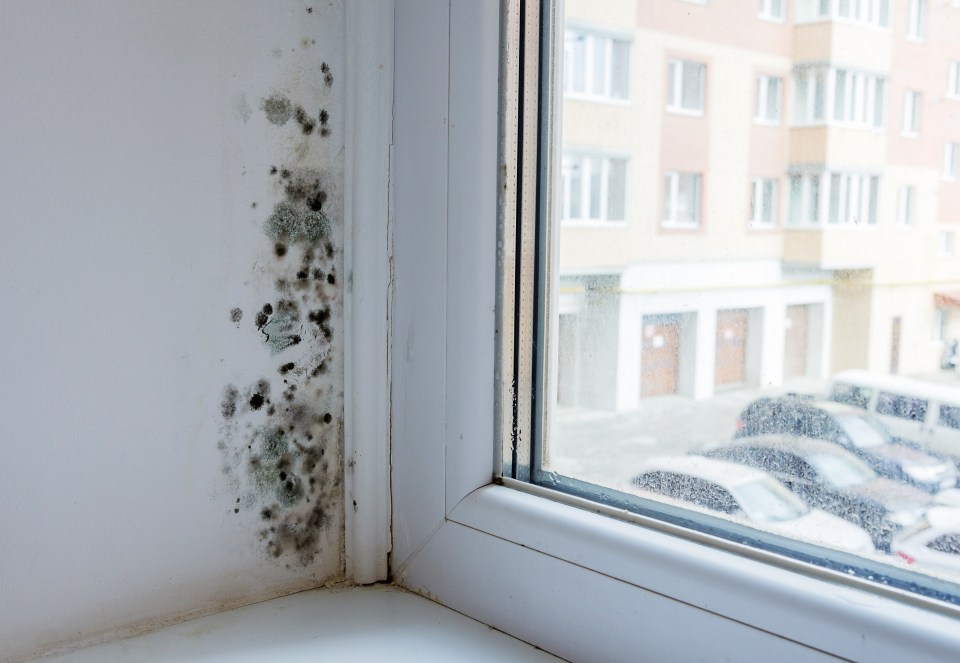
720 472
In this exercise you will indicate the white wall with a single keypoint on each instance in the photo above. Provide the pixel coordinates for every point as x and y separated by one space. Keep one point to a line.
133 148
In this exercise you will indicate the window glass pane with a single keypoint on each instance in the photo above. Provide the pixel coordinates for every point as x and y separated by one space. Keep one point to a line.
620 70
692 94
616 189
840 93
687 317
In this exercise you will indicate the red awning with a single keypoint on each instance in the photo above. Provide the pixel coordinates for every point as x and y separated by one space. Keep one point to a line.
946 298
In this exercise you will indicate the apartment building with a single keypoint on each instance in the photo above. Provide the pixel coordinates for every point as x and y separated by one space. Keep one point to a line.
755 191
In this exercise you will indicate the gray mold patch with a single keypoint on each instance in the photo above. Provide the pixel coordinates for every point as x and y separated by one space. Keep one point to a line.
299 218
277 108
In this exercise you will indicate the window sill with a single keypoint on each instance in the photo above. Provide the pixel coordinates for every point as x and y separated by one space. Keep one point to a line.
596 99
593 225
811 607
376 623
674 110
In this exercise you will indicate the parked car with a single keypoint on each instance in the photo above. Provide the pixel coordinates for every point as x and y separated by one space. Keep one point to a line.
934 542
925 412
828 477
856 431
747 495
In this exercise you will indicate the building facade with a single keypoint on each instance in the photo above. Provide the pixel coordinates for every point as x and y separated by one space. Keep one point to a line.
754 191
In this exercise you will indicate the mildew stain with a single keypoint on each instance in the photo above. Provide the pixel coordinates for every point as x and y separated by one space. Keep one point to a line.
281 436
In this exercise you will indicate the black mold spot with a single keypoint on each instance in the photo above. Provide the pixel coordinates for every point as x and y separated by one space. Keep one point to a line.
327 76
327 418
317 274
331 279
286 368
307 123
278 109
261 320
323 117
284 174
236 315
253 205
280 249
309 10
256 401
273 170
302 275
268 308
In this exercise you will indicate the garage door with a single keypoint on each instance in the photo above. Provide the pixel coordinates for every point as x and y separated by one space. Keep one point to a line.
731 348
660 358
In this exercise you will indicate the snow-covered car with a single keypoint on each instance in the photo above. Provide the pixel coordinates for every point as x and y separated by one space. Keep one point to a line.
933 543
826 476
747 495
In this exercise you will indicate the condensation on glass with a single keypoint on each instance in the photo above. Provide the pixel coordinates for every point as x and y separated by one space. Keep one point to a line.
746 260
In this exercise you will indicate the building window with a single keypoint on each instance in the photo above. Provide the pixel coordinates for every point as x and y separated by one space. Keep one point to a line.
593 188
858 98
945 243
917 19
769 93
595 66
833 199
939 324
905 203
681 200
953 80
911 113
763 203
772 10
686 86
950 158
875 13
810 94
854 98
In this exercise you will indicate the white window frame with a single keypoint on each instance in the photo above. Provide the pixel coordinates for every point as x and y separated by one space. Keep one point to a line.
953 79
767 14
951 161
607 39
854 194
590 160
917 20
906 205
850 98
675 68
671 199
555 573
758 190
763 86
871 13
912 103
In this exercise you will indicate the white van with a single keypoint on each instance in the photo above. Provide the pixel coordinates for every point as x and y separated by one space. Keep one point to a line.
924 412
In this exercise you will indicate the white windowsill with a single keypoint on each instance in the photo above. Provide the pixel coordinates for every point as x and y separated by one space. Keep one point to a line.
676 110
815 608
357 624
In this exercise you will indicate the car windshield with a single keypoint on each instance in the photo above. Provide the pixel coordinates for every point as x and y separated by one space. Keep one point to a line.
766 501
842 472
862 431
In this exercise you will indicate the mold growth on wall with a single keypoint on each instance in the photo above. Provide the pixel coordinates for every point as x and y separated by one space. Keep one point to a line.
282 432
